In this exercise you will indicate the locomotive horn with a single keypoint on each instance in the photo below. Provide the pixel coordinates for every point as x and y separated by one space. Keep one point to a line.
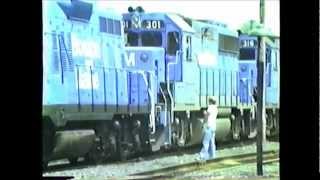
140 9
130 9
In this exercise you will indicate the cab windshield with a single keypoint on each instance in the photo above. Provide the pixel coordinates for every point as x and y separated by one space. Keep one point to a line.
148 38
247 54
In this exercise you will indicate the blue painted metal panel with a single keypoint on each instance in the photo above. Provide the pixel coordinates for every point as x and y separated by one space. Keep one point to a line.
85 91
109 58
243 90
272 89
228 66
98 92
203 84
183 97
222 90
248 73
143 94
160 65
190 72
234 88
216 81
122 93
203 87
70 94
210 82
268 67
253 75
175 69
133 92
271 96
228 88
137 58
51 87
110 83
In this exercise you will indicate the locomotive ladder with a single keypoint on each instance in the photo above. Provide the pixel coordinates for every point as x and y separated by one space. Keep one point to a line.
152 102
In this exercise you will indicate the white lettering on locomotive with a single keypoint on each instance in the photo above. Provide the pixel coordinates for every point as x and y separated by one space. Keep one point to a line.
85 76
153 24
130 59
85 48
248 43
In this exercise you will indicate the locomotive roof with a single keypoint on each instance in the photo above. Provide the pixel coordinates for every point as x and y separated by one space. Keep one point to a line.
213 22
183 25
76 10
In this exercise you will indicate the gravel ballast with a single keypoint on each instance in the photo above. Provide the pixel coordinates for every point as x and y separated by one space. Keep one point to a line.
119 169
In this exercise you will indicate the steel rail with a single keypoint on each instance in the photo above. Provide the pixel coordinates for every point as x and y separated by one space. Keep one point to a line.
214 164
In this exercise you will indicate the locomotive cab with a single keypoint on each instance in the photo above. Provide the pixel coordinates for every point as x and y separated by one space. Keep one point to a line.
174 35
171 33
159 30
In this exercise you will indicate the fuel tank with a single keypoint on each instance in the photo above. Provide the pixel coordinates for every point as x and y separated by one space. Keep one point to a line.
72 144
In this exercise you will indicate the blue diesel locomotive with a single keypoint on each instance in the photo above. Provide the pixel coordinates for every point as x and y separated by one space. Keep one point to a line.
201 61
98 96
118 85
248 58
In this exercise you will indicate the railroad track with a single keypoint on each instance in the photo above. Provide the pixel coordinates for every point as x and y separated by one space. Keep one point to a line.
214 164
65 166
84 164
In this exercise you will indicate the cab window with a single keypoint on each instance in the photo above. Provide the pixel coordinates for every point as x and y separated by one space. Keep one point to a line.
172 43
228 43
188 49
151 38
132 39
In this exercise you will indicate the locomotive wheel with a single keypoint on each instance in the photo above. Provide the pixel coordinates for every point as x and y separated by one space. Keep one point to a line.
44 165
101 149
252 124
236 126
269 124
277 121
95 154
123 154
48 133
273 124
112 150
73 160
243 132
275 127
93 157
183 133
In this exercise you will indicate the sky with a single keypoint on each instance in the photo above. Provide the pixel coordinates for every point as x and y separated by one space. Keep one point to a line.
232 12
